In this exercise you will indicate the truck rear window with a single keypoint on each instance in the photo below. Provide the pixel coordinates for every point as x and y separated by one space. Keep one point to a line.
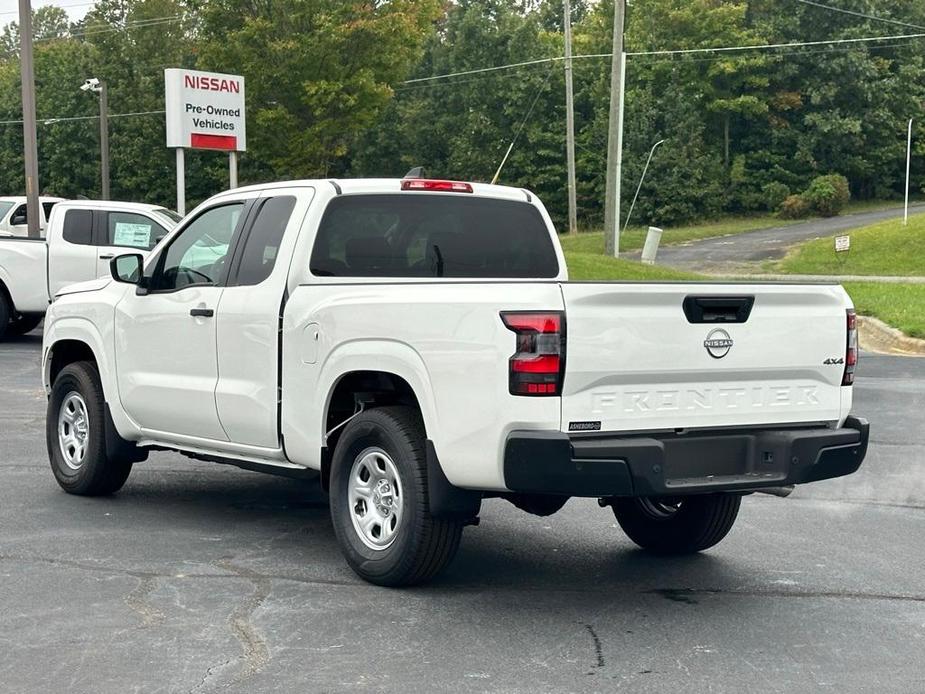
431 235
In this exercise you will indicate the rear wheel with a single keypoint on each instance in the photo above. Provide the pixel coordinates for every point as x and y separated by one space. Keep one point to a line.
76 437
379 500
677 525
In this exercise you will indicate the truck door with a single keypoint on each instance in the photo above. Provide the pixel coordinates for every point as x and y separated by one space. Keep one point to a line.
166 338
71 253
248 318
120 232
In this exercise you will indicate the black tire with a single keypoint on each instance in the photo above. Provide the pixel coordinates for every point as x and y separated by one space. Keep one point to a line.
6 313
25 324
681 525
97 472
422 545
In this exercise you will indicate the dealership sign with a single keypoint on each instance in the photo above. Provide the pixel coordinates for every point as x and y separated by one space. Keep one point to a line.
205 110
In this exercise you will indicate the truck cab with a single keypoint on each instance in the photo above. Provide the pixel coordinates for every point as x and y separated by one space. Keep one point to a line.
81 238
13 220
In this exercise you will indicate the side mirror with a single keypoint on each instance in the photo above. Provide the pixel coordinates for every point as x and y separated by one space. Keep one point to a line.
18 220
128 268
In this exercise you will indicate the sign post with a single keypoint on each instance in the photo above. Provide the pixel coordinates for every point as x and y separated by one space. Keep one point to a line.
205 110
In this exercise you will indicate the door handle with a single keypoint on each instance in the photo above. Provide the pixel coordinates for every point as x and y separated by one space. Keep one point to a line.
107 256
202 312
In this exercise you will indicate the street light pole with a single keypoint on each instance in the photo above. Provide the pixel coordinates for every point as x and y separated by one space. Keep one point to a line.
98 86
104 139
30 146
639 187
908 160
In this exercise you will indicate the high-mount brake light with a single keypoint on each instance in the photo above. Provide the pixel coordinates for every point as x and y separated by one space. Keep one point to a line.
851 347
537 366
428 184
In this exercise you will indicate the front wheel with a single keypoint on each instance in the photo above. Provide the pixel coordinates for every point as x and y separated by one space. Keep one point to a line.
379 500
25 324
677 525
76 436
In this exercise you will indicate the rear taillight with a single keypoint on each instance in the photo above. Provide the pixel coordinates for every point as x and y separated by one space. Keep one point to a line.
538 364
436 186
851 348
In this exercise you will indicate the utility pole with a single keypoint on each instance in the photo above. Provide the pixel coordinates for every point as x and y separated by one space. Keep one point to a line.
615 136
104 139
570 124
908 161
30 147
97 86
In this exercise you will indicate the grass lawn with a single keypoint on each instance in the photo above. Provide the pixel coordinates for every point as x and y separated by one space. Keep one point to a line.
887 248
594 266
634 237
900 305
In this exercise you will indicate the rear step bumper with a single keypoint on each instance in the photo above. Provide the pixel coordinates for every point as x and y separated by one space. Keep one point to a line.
673 464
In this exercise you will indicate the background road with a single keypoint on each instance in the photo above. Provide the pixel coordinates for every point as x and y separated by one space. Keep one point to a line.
199 577
741 252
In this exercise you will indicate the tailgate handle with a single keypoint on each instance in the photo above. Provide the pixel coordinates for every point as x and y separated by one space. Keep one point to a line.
718 309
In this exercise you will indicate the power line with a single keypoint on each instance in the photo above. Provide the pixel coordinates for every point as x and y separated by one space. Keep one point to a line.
860 14
140 24
60 7
66 119
684 51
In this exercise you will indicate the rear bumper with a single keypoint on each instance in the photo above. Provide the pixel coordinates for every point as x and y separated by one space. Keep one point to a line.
673 464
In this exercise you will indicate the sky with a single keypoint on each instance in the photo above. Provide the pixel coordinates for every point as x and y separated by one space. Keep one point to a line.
9 9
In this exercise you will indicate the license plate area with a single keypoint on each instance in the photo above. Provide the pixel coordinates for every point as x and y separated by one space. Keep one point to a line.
706 460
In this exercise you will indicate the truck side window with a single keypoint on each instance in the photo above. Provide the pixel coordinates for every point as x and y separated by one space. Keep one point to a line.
264 239
198 254
47 207
132 230
19 216
78 227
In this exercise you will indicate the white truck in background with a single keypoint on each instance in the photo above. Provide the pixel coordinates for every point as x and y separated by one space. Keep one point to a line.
13 214
418 343
82 236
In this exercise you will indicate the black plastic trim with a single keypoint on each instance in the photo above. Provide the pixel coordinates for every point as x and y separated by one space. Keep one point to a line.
717 309
676 464
337 188
446 501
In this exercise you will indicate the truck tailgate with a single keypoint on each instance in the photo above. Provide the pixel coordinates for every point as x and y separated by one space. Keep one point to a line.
636 360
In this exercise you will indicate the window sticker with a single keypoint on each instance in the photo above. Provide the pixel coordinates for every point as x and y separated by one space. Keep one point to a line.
134 235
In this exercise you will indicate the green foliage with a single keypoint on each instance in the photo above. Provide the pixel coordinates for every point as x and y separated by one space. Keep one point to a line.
794 207
774 194
327 96
827 195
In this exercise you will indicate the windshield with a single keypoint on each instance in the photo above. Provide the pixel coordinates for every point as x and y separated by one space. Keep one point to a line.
5 206
170 215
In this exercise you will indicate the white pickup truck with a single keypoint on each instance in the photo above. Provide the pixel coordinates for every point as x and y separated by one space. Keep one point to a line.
419 344
13 218
83 235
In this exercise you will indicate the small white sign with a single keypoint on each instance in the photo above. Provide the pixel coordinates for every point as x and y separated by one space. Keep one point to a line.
842 244
205 110
134 235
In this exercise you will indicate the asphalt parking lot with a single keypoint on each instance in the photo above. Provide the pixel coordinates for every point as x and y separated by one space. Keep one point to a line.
198 577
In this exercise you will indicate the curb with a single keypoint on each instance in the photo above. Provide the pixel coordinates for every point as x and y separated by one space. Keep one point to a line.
876 336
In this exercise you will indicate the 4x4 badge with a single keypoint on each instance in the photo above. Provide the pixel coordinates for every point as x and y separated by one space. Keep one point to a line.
718 343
